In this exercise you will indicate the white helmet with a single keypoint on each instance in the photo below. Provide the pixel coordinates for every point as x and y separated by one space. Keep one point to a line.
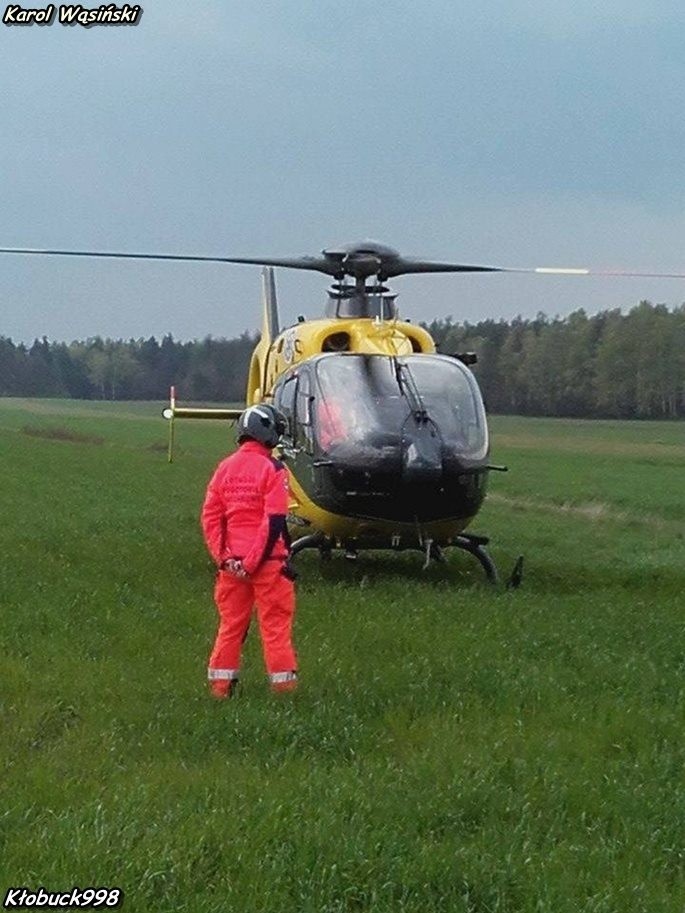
263 423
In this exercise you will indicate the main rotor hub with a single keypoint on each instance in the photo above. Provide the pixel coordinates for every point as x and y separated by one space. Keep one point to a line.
361 260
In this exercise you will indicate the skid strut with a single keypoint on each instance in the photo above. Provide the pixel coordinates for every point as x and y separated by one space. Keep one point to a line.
313 540
467 542
475 545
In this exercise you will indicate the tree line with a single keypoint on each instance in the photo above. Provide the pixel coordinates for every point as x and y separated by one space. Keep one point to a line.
610 365
209 369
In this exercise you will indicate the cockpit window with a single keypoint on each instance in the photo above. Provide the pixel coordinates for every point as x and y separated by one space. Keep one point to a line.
367 400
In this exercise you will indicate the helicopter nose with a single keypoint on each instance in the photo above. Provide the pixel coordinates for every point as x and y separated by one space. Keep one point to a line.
422 456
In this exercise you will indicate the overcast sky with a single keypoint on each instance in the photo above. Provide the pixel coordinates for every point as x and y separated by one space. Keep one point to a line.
507 132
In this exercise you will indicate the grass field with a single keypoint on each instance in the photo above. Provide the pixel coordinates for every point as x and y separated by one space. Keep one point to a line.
452 748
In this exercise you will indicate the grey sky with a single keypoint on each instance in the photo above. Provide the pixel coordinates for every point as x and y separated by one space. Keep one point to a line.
512 133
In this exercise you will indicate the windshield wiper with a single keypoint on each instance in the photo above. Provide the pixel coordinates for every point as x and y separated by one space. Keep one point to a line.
407 384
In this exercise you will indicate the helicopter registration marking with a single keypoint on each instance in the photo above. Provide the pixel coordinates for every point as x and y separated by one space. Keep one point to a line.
289 346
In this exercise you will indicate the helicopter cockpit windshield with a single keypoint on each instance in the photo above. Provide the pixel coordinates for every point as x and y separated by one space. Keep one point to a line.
365 404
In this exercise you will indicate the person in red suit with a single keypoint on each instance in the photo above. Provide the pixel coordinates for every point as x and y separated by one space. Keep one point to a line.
244 526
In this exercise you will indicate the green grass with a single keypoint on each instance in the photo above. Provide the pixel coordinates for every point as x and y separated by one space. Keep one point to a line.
452 748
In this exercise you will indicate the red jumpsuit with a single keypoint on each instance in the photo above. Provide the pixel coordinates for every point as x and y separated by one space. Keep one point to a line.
244 518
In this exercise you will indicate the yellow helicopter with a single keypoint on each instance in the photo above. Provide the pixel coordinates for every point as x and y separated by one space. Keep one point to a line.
387 441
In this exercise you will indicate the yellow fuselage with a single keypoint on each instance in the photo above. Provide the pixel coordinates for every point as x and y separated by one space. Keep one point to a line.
360 335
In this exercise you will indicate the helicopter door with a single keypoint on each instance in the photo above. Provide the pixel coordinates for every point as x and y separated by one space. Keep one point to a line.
303 412
292 396
284 399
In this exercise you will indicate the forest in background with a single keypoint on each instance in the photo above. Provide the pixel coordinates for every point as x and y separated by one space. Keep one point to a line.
609 365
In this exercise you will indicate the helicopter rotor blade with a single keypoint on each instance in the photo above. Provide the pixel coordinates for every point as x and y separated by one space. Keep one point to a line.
319 264
576 271
358 261
402 267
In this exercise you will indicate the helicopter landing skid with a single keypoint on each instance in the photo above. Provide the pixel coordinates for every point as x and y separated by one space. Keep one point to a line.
475 545
468 542
313 540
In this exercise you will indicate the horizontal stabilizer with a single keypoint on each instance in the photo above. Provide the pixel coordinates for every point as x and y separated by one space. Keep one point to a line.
191 412
172 412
